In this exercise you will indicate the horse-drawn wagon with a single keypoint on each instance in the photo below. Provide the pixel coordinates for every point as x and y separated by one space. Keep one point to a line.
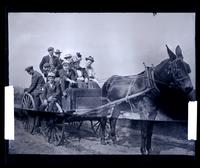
143 93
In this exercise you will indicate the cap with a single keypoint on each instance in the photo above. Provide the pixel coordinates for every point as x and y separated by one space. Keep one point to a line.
50 49
28 68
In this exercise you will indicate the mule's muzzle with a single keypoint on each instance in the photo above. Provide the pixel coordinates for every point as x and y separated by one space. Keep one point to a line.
192 95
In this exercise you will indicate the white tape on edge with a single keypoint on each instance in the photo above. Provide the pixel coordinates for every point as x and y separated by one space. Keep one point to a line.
192 120
9 113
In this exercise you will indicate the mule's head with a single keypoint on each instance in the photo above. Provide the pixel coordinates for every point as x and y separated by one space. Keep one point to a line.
179 70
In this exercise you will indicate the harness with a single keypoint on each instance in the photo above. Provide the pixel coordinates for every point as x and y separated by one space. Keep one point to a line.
151 82
151 85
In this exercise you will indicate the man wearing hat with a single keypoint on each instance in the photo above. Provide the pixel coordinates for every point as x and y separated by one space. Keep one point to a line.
51 59
51 93
58 55
37 82
92 83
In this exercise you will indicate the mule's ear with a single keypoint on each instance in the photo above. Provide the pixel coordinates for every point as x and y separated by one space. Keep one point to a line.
179 51
172 56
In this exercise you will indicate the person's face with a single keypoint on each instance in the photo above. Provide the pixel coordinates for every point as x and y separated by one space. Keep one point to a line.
66 66
51 52
58 55
88 62
30 72
77 64
51 79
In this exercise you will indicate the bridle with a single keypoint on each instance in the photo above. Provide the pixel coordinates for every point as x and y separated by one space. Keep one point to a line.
173 70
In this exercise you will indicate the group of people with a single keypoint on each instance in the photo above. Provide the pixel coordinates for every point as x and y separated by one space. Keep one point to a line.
58 76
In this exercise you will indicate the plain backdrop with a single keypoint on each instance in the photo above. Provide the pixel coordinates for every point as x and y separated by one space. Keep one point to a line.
119 42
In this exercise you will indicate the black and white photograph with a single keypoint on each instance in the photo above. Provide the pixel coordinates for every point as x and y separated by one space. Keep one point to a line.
102 83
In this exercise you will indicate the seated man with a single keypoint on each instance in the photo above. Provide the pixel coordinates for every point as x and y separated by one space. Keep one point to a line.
46 69
51 93
67 77
37 82
92 83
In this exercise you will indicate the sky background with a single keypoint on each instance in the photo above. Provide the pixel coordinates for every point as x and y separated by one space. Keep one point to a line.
119 42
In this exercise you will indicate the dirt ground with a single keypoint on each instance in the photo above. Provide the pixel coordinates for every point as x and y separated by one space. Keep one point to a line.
128 142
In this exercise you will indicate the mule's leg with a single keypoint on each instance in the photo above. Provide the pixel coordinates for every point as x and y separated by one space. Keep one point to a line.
149 136
148 111
113 121
103 121
143 137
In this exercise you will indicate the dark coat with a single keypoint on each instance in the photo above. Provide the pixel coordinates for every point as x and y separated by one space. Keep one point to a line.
37 82
46 59
71 74
51 91
83 70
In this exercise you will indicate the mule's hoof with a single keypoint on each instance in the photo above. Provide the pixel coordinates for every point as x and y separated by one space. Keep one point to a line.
143 151
149 151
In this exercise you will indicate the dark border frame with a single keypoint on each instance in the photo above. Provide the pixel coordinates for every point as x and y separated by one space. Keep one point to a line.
94 6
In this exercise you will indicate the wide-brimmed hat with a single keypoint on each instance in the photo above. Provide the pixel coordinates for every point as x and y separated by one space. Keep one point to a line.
58 51
50 49
29 68
89 58
51 74
68 56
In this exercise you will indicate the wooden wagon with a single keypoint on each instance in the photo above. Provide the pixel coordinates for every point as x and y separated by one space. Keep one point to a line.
80 105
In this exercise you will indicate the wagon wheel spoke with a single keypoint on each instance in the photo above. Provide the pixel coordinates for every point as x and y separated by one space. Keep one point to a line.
96 127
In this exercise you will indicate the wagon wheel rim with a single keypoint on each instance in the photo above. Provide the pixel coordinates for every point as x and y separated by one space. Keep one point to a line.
29 121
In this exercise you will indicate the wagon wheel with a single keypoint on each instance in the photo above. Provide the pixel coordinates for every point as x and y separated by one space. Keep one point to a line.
28 103
96 128
53 128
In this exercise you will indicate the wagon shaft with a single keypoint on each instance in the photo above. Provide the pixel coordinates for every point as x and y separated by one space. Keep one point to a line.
98 110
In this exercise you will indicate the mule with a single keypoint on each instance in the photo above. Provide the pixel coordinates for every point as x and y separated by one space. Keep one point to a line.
161 82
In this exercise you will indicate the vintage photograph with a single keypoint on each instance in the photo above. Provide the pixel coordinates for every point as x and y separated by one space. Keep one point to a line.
102 83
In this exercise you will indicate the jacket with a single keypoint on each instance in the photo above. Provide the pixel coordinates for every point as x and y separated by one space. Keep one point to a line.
51 91
46 59
37 82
